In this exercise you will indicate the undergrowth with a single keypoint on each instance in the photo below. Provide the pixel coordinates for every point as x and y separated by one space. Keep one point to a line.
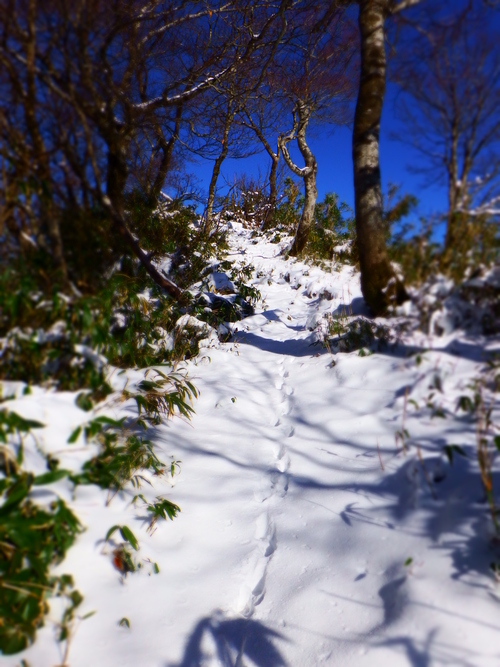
477 406
67 340
345 333
35 536
332 235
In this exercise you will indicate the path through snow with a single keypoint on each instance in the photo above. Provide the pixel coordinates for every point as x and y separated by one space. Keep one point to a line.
298 510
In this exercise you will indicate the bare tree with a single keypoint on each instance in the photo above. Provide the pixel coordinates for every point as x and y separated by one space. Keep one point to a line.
450 77
115 72
301 116
221 136
261 114
316 76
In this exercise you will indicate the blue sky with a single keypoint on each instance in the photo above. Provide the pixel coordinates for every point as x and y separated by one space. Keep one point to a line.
332 149
333 152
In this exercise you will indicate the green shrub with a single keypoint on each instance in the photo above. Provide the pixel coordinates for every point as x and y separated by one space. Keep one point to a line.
287 214
333 226
417 254
420 255
346 333
32 540
66 340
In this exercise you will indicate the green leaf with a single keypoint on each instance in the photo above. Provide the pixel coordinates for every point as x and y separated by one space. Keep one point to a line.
496 441
129 537
13 643
408 562
156 569
18 423
117 423
148 385
76 598
74 435
141 403
17 493
110 532
449 450
84 402
124 622
465 404
50 477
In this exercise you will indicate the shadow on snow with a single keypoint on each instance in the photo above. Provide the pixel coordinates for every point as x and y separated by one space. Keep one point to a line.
231 641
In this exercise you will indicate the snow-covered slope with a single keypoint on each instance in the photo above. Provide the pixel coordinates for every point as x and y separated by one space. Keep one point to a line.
307 535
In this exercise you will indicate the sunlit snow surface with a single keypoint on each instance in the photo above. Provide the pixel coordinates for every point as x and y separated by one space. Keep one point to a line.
292 541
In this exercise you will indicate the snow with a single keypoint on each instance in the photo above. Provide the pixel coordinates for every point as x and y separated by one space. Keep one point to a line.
300 509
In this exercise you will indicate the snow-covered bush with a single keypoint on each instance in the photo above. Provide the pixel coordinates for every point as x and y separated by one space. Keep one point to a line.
247 201
473 305
333 234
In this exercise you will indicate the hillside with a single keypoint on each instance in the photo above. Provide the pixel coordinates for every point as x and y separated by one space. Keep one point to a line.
332 509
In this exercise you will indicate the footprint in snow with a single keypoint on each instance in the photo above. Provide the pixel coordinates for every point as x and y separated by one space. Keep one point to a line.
283 465
253 589
284 406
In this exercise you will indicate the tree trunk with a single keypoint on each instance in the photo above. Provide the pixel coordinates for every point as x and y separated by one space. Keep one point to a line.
117 174
309 176
307 217
216 171
47 213
162 281
167 148
273 190
308 173
275 158
376 270
114 204
450 238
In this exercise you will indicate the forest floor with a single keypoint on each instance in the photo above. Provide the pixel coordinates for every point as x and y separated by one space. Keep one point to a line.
321 521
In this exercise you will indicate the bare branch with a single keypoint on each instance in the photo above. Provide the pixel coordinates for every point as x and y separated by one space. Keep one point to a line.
402 5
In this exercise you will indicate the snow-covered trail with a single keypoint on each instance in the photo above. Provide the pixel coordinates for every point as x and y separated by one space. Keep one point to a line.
299 511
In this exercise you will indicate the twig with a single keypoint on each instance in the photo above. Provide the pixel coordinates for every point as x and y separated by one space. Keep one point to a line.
427 478
380 457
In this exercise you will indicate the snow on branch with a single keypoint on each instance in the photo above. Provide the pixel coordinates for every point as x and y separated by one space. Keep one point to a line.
402 5
491 207
285 139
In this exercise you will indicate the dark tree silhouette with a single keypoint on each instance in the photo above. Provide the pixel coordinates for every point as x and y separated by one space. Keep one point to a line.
450 75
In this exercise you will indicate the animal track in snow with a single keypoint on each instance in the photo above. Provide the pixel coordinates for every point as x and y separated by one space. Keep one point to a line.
279 481
284 405
253 589
283 464
273 484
